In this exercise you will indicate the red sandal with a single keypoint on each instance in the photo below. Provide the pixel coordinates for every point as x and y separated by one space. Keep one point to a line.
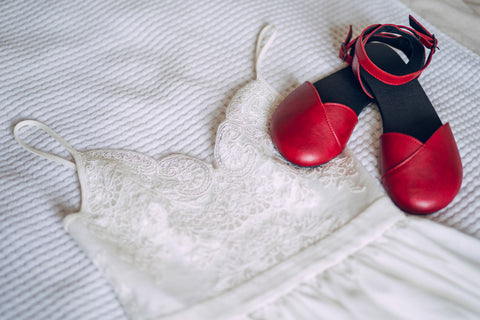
314 122
420 163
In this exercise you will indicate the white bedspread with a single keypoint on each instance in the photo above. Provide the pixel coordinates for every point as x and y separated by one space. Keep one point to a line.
155 77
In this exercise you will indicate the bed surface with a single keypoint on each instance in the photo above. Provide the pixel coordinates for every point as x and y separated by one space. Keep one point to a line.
156 77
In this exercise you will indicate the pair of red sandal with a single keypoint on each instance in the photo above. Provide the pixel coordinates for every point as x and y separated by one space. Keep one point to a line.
420 163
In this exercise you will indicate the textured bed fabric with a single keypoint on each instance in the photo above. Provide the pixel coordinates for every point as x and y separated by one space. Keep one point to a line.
155 77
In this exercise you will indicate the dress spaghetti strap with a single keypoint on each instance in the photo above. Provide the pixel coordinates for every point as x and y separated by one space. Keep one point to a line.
264 40
53 134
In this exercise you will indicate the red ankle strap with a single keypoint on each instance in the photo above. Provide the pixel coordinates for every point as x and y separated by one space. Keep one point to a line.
411 41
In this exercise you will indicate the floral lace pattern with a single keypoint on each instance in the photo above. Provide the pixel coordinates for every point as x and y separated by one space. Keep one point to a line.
246 213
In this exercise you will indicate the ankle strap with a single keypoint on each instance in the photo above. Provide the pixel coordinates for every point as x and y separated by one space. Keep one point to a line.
411 41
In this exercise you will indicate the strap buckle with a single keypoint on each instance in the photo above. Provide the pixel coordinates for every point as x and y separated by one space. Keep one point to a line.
345 54
435 42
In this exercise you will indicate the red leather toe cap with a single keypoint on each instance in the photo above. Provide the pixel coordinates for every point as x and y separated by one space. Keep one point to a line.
308 132
421 178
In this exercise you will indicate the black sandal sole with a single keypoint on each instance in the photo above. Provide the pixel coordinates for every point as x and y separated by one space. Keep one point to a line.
342 87
404 108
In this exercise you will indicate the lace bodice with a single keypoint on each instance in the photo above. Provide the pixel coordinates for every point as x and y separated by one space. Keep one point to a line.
194 230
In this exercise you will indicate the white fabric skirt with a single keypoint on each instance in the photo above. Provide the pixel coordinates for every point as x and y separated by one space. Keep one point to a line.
417 269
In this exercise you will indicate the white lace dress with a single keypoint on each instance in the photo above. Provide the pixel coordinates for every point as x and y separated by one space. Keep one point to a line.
254 237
